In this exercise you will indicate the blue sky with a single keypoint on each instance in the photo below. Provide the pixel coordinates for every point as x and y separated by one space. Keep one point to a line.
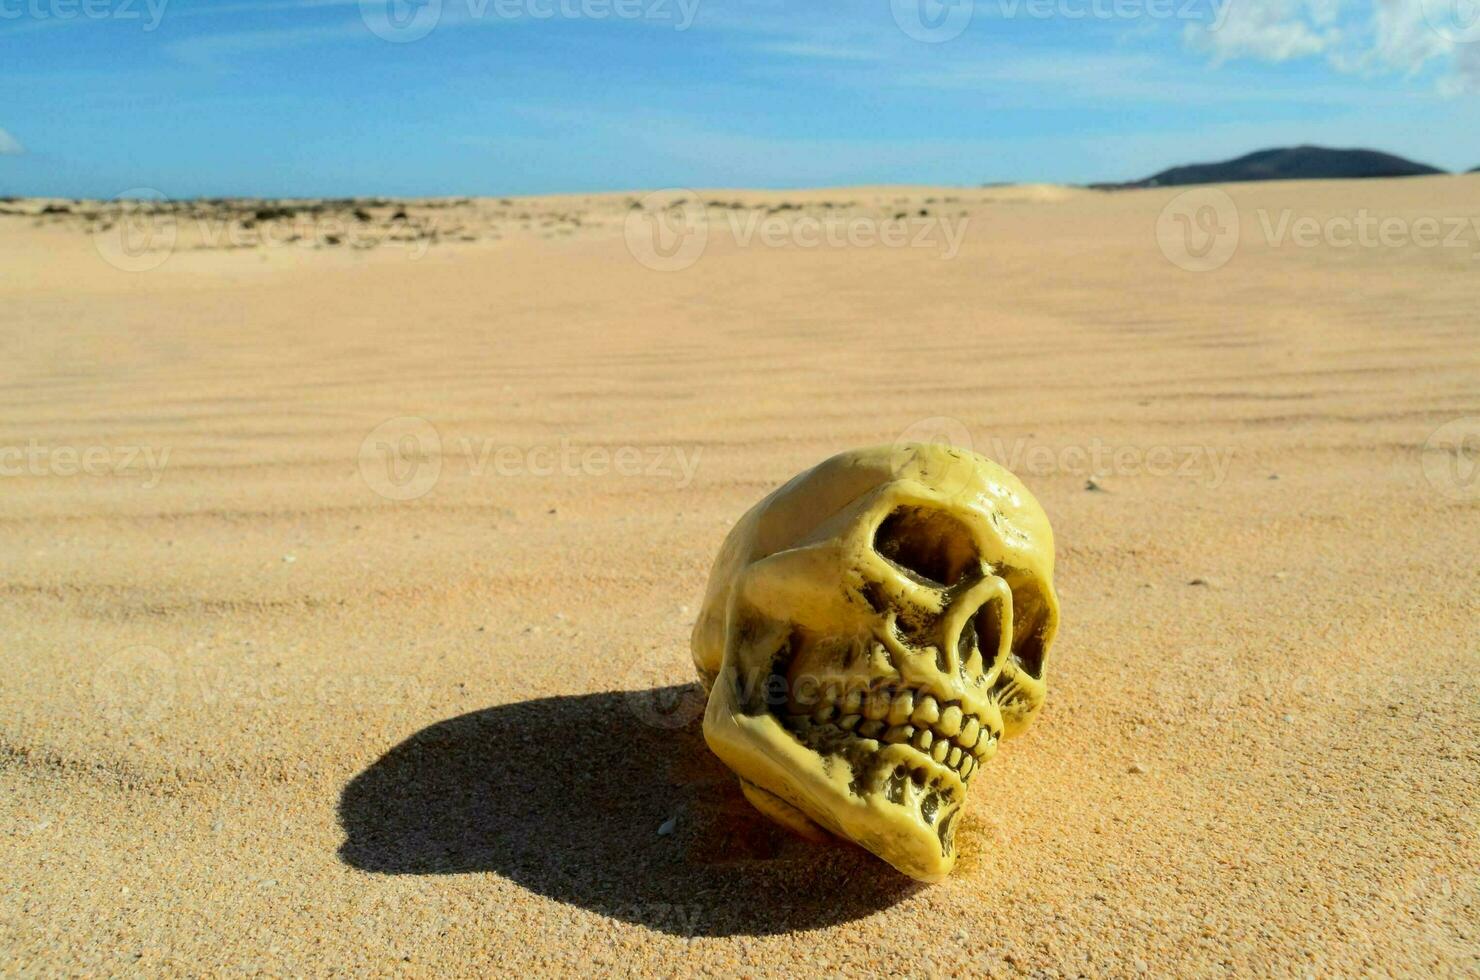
453 97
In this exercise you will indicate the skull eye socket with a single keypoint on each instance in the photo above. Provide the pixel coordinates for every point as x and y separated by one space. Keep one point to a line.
929 544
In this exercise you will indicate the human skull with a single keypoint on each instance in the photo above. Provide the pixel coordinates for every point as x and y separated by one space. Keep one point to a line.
871 630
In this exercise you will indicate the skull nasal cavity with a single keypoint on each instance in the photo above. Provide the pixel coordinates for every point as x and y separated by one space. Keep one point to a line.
929 543
987 625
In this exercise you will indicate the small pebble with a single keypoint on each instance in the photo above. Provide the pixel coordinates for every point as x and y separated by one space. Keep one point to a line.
1136 767
667 826
1093 484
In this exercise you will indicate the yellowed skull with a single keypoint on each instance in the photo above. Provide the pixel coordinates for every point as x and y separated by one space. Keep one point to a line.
871 630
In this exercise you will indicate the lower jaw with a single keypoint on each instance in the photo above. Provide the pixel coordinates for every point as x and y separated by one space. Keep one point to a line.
910 783
855 794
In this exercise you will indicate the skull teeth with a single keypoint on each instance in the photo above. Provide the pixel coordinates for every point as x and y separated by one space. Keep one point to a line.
899 733
885 716
901 708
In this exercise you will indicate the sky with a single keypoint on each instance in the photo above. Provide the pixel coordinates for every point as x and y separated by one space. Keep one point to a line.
310 98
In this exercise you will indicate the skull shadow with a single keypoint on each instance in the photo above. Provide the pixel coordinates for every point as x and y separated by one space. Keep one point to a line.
571 797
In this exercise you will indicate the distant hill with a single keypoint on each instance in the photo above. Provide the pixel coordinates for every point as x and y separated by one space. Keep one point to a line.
1289 163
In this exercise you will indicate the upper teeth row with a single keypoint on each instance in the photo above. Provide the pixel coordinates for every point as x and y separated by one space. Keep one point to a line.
945 733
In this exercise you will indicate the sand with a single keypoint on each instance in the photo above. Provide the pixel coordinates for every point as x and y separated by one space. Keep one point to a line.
273 704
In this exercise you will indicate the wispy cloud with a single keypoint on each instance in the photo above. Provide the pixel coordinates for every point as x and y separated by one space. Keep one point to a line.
1403 37
9 145
823 51
217 51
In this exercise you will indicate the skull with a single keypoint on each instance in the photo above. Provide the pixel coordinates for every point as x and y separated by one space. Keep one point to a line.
871 631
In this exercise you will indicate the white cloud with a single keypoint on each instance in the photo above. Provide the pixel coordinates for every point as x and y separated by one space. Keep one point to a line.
9 145
1271 30
1354 36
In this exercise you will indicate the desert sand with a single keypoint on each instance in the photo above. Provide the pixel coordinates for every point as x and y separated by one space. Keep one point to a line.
290 686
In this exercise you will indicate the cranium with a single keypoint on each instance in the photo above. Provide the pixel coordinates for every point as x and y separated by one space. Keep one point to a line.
871 630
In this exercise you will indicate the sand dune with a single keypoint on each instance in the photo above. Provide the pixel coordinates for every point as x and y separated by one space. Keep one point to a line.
347 586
